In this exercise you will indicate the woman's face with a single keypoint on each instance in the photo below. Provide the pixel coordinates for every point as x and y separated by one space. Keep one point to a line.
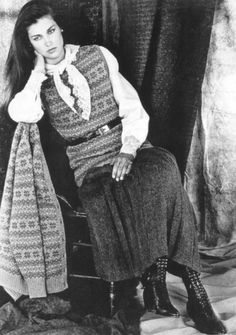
46 38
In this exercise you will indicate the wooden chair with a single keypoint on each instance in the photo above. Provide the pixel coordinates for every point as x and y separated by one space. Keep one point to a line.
79 248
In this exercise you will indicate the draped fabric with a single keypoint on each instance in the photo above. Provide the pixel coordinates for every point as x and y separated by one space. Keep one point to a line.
212 162
32 237
162 47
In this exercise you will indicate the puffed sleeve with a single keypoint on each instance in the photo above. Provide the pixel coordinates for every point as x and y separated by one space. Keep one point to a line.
134 118
26 104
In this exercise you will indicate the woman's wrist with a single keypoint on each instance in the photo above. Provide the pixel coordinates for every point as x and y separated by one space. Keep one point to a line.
35 81
129 157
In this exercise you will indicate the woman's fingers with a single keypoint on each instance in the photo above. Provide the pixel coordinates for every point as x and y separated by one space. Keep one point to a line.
129 168
122 166
126 169
116 168
39 64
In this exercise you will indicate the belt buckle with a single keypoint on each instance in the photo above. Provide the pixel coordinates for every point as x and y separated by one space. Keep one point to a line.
103 129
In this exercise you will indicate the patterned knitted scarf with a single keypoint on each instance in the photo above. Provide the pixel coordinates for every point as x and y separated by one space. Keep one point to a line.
32 237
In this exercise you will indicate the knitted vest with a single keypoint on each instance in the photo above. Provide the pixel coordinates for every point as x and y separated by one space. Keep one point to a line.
96 151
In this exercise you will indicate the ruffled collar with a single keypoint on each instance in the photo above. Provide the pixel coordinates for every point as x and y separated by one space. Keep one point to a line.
80 88
70 56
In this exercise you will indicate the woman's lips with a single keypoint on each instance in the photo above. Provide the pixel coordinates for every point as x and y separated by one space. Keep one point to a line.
52 50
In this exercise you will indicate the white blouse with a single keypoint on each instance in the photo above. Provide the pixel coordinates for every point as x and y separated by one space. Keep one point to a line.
26 105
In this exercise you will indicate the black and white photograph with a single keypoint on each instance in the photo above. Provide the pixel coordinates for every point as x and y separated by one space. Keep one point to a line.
117 167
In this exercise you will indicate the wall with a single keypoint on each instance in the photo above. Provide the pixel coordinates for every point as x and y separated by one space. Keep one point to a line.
8 12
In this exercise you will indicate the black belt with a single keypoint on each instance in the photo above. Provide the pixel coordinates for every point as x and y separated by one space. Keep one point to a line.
100 131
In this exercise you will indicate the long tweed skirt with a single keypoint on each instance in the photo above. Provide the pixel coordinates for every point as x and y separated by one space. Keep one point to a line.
135 221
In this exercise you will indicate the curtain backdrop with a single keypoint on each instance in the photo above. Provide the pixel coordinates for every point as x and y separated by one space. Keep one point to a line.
211 168
162 47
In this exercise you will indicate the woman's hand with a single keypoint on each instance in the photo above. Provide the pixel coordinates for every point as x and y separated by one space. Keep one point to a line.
39 63
121 165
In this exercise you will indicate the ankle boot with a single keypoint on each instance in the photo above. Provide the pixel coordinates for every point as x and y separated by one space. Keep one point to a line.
155 295
199 307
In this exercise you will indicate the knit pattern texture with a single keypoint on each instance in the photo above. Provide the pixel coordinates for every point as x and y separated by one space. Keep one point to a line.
70 125
32 237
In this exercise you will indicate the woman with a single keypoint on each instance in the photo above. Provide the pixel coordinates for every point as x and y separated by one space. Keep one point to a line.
139 215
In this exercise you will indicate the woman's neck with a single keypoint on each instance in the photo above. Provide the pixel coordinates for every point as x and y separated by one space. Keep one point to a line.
56 60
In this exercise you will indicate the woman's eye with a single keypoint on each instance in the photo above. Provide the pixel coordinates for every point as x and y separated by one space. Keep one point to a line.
36 38
51 31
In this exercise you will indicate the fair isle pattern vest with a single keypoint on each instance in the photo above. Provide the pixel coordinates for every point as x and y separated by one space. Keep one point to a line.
97 151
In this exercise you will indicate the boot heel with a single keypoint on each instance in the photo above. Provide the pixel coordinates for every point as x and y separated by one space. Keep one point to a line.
157 301
148 299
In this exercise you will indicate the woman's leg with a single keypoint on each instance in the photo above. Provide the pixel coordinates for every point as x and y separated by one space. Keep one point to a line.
145 217
155 294
199 307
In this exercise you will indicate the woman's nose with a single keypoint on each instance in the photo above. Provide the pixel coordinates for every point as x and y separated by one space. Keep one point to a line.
47 41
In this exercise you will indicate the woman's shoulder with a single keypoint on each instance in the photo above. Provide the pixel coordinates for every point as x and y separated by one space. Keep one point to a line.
90 47
76 48
89 50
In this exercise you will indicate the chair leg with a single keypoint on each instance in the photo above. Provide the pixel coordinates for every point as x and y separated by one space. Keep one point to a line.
112 298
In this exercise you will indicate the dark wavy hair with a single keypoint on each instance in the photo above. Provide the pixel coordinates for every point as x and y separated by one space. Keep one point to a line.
20 60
